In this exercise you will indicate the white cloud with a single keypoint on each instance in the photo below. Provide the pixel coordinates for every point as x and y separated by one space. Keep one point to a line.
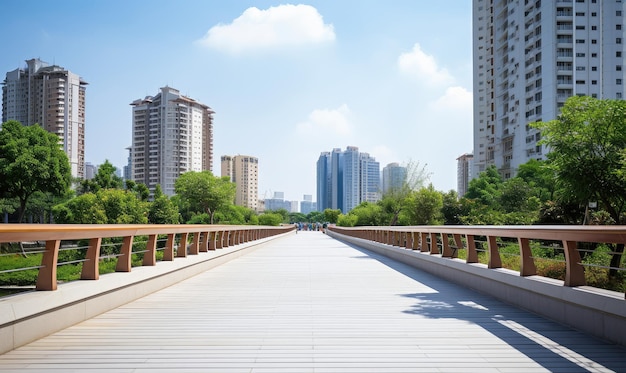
455 98
423 67
283 25
328 122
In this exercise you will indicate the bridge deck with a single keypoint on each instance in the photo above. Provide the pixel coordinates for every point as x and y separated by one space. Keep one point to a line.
308 303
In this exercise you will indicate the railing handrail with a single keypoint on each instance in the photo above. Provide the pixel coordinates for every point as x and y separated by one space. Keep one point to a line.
579 233
45 232
205 238
425 239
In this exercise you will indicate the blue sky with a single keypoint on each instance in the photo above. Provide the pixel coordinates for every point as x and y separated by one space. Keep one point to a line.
286 80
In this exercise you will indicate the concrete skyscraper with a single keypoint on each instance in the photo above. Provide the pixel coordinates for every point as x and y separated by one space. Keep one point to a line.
172 134
243 170
528 58
52 97
394 176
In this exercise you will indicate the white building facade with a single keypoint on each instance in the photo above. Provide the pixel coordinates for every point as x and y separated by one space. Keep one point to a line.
172 134
243 170
52 97
528 58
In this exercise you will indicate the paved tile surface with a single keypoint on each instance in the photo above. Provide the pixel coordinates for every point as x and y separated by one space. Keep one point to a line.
308 303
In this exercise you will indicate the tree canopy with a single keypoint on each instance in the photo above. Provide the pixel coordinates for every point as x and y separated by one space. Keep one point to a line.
201 192
31 160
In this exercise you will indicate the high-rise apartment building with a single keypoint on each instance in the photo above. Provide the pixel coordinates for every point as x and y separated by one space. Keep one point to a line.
347 178
324 196
172 134
463 173
394 176
529 56
52 97
243 170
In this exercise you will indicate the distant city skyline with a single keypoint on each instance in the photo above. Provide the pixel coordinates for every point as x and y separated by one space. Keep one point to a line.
285 81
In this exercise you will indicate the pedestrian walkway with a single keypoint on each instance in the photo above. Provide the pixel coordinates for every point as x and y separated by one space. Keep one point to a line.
309 303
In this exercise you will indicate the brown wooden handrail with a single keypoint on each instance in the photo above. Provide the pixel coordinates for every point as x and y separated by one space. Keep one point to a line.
205 238
426 238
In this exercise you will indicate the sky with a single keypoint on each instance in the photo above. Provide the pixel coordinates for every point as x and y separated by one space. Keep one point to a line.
286 81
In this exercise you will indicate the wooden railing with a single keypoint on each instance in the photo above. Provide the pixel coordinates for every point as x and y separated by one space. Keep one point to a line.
447 240
193 240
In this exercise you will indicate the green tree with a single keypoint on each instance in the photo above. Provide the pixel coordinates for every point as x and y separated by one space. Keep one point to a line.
83 209
586 142
392 201
315 216
452 208
347 220
271 219
368 214
205 193
31 160
332 215
105 178
296 217
162 210
424 206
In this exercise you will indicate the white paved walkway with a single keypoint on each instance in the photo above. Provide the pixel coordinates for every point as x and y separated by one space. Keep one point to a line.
308 303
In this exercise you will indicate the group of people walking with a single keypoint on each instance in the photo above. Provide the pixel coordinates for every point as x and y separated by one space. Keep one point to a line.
311 226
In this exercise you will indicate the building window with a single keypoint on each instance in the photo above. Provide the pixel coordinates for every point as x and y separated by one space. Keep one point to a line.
594 82
618 81
618 68
618 27
618 54
593 14
580 14
593 28
618 40
580 82
580 54
594 41
580 41
594 55
594 68
618 13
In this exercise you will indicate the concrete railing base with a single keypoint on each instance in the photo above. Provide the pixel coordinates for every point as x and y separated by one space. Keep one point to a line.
597 312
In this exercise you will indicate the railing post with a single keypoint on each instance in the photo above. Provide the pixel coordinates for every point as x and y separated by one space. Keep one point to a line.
527 263
204 247
494 253
124 261
472 255
47 278
182 246
434 248
415 240
424 242
211 239
447 251
226 239
574 271
168 252
90 269
458 241
220 240
194 249
149 257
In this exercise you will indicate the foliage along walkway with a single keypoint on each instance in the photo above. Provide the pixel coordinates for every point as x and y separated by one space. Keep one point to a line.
309 303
